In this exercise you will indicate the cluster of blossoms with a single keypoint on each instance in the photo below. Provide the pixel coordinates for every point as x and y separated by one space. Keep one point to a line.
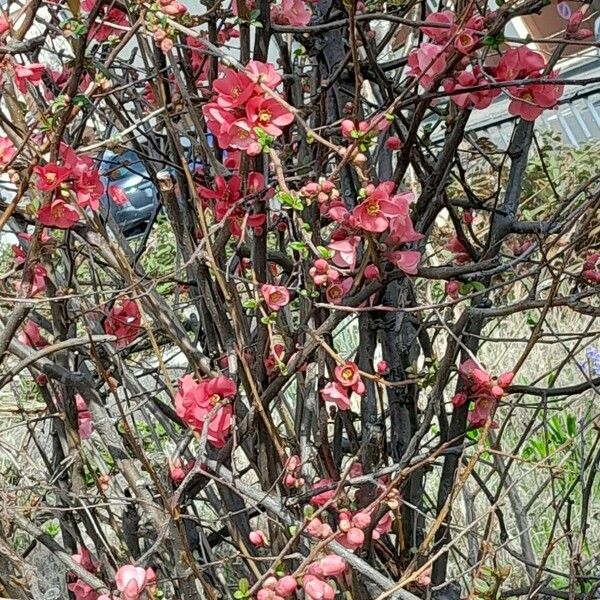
243 113
291 477
351 524
163 34
429 62
124 321
111 21
380 212
483 390
347 380
130 580
591 268
226 202
209 399
72 181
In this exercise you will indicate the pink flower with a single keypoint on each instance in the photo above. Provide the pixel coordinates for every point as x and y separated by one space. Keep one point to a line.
331 565
31 336
258 538
519 63
286 586
268 114
263 73
31 73
347 374
124 321
424 578
467 79
506 379
337 394
530 101
405 260
336 291
427 62
194 403
484 409
383 526
382 367
374 213
465 41
291 12
109 18
7 151
130 581
316 589
445 26
234 89
276 296
344 252
58 214
50 176
361 520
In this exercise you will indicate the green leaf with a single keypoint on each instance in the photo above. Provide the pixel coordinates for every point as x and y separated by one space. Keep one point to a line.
325 252
243 585
251 303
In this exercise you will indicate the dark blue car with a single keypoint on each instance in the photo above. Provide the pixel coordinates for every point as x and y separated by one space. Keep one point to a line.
126 171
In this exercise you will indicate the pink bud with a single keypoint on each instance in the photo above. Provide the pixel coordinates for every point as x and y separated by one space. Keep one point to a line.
382 367
286 586
393 143
361 520
505 379
332 565
314 527
315 589
355 537
270 583
372 272
327 186
468 216
452 289
459 399
497 391
289 481
258 538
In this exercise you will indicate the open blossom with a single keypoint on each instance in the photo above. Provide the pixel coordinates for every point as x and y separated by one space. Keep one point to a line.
130 581
347 374
427 62
31 73
195 403
344 252
439 26
530 99
406 260
336 394
479 99
276 296
336 291
50 176
241 107
291 12
375 212
124 321
7 151
84 418
58 214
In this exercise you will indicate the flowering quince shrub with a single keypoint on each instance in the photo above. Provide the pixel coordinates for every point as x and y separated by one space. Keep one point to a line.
269 329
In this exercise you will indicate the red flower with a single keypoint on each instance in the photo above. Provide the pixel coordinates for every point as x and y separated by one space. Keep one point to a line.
130 581
276 296
445 26
194 403
263 73
234 89
32 336
89 189
50 176
268 114
58 214
124 321
24 73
